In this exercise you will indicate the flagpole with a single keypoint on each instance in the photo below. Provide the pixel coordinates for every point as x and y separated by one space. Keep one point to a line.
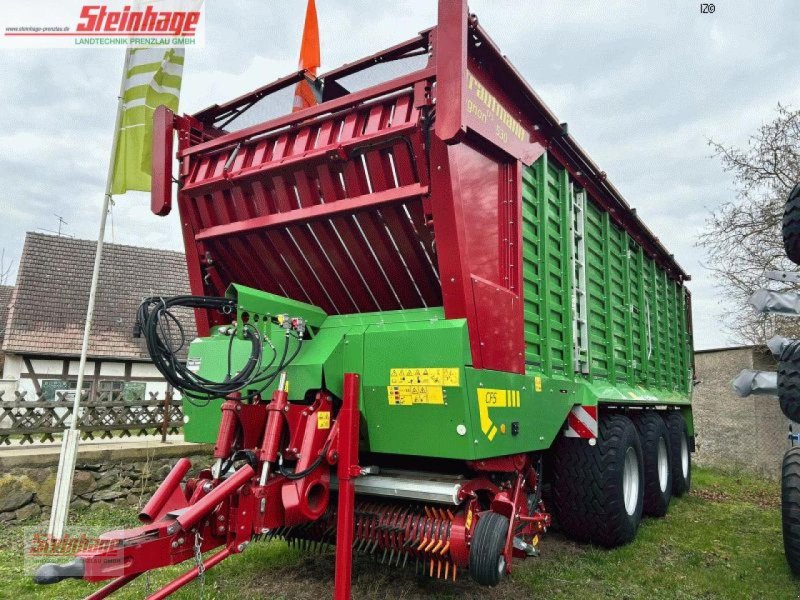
69 445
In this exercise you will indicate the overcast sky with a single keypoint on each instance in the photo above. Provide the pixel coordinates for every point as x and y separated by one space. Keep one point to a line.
643 85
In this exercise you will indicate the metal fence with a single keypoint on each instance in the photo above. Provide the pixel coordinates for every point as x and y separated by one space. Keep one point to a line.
26 420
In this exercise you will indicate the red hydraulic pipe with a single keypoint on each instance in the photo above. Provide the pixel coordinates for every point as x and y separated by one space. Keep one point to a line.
207 503
190 575
227 427
165 491
273 430
347 468
110 588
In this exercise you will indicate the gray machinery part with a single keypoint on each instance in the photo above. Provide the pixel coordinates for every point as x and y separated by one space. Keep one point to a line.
761 383
776 345
769 301
786 276
409 486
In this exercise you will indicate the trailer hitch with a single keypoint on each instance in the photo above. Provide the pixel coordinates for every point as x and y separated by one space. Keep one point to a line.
181 523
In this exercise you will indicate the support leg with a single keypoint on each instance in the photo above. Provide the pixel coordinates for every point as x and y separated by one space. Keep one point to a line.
347 468
190 575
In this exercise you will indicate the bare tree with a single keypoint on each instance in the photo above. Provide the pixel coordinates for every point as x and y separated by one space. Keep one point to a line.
6 265
743 236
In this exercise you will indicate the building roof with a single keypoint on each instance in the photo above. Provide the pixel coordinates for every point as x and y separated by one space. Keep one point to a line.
6 291
48 310
730 348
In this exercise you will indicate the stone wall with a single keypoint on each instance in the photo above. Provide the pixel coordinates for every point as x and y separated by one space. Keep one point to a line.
113 473
732 432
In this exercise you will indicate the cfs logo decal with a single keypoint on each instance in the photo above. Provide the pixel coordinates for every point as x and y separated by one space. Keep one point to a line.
489 398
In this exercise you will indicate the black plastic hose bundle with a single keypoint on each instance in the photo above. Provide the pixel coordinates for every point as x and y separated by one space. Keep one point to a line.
166 337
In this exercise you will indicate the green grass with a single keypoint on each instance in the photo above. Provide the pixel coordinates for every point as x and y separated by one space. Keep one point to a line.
721 541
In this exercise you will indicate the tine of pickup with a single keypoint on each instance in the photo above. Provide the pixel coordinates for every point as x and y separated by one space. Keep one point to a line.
446 569
438 569
422 543
455 571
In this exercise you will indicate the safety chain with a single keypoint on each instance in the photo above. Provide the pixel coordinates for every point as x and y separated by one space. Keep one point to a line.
198 559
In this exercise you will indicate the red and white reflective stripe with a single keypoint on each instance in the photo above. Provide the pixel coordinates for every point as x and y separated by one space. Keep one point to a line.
582 422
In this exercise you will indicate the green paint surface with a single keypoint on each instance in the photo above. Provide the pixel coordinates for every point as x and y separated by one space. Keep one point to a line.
638 339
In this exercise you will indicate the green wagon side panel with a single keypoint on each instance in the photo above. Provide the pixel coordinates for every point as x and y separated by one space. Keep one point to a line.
639 345
546 271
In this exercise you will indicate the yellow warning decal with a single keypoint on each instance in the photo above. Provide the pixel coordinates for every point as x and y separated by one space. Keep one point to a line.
537 383
426 376
489 398
408 395
323 419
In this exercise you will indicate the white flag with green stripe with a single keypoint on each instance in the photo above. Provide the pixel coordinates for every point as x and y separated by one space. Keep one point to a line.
152 78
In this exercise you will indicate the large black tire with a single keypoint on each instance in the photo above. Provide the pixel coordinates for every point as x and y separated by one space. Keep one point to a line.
656 455
790 508
589 484
789 381
487 566
681 456
791 225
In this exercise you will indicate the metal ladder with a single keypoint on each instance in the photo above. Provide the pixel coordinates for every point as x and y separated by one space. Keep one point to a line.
580 328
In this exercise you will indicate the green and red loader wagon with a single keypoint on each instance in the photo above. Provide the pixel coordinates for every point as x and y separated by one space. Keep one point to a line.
426 320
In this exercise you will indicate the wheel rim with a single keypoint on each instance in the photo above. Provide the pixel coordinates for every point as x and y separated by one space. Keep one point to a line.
663 464
501 566
630 481
684 457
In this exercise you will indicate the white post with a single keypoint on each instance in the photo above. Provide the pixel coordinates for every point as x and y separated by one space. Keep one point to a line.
69 446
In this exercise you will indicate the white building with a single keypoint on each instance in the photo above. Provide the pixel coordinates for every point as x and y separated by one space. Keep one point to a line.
46 311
